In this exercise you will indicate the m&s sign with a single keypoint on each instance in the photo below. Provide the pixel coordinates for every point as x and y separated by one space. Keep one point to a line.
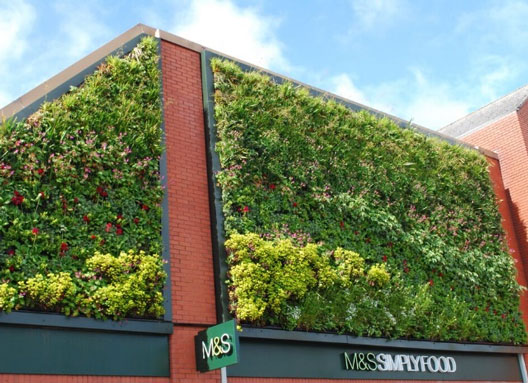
216 347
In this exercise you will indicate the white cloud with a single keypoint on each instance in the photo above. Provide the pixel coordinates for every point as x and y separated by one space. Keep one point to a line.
77 28
377 13
15 25
502 23
16 20
81 28
414 98
432 104
343 86
244 33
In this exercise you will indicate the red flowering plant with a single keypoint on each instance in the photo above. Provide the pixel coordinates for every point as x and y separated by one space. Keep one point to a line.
420 209
75 179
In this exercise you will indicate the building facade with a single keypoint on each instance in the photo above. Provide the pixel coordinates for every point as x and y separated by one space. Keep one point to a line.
49 347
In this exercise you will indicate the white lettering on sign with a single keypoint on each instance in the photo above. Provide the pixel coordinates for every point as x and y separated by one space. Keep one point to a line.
217 346
401 362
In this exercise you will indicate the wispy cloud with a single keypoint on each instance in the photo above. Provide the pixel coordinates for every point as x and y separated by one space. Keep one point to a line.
497 39
15 25
377 13
494 38
82 26
242 32
491 73
16 22
414 97
503 22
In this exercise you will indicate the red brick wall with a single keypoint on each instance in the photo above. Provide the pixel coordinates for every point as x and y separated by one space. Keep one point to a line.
192 278
509 138
511 236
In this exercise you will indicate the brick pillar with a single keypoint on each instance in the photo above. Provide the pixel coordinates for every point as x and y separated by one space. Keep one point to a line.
192 276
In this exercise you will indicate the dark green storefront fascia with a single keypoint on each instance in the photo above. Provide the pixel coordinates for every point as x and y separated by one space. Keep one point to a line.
36 350
274 353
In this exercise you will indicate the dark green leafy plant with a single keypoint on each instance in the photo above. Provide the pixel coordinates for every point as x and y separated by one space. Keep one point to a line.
80 177
311 171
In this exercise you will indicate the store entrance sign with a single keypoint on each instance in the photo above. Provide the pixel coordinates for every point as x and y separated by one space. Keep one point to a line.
216 347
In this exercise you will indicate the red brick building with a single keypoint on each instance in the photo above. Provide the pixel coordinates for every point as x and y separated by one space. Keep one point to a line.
194 300
502 127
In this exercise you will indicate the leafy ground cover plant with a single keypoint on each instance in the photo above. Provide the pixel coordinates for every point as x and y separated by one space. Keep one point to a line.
305 179
80 216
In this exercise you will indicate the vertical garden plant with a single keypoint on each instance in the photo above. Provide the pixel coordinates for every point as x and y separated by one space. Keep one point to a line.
340 221
80 195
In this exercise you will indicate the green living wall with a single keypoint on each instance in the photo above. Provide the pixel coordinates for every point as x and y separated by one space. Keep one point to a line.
80 215
339 221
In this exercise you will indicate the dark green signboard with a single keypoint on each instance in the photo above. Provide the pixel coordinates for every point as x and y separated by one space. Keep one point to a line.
216 347
37 350
274 358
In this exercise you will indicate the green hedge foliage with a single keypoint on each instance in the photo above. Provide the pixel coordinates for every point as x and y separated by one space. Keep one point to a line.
80 215
305 179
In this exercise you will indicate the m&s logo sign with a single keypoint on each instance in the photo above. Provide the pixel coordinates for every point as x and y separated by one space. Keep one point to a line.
216 347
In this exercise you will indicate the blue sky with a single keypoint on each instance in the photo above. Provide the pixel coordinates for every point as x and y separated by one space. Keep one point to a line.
431 61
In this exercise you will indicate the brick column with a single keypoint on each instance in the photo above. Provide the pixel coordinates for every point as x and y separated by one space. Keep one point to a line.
192 276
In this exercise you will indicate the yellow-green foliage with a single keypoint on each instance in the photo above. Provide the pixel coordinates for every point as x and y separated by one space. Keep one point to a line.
7 293
134 280
349 265
110 266
48 290
378 275
266 275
